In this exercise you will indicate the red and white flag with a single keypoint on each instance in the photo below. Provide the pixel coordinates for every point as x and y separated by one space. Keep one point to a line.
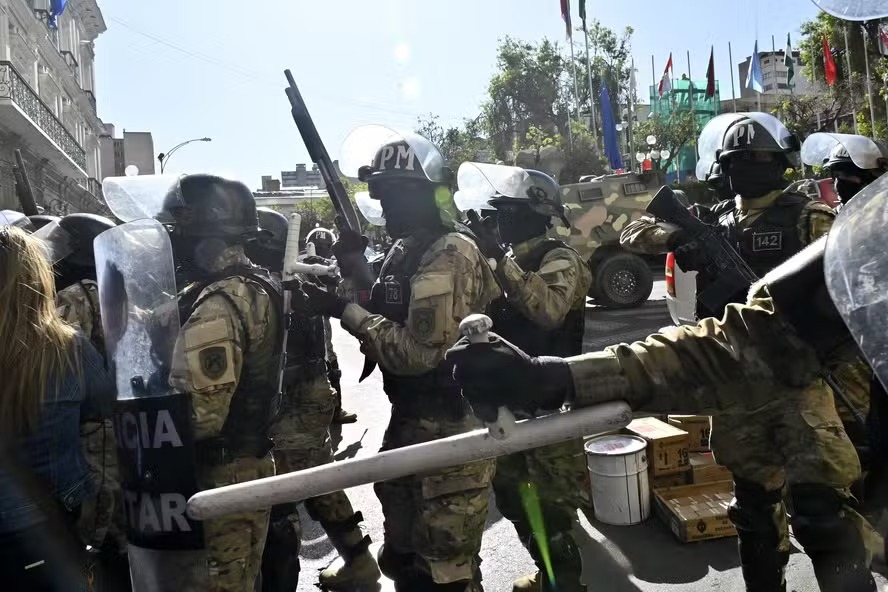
666 80
883 39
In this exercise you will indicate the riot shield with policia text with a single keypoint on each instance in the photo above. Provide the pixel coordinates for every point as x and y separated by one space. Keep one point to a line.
152 422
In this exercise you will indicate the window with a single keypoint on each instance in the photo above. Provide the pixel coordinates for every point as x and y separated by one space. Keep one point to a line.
782 85
766 61
768 87
591 194
767 75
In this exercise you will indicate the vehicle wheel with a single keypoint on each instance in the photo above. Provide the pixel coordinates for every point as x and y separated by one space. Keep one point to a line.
622 280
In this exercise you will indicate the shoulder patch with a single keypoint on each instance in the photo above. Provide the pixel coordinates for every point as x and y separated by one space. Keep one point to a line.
213 362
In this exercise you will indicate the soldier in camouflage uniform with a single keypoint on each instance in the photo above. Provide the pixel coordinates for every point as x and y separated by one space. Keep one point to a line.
761 362
432 278
543 312
301 437
101 523
227 359
767 224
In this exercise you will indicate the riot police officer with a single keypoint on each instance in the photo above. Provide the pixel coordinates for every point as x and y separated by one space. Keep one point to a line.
777 341
101 520
432 277
545 283
853 161
323 240
302 440
227 359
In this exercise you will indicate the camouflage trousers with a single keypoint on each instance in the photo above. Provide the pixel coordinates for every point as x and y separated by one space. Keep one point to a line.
232 556
795 441
562 480
102 514
854 379
435 519
302 440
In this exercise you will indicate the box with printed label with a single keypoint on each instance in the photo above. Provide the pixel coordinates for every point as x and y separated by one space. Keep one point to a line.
704 469
697 427
696 512
667 445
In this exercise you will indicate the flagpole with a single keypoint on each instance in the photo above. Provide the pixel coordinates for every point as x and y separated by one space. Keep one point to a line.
848 63
869 88
731 69
691 100
591 92
573 60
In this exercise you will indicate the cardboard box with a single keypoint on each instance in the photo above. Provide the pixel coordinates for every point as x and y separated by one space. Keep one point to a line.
704 469
697 427
696 512
667 445
673 480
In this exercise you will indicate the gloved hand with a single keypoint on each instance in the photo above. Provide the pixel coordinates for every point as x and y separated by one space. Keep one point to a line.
677 239
315 260
349 250
485 232
311 300
498 374
690 256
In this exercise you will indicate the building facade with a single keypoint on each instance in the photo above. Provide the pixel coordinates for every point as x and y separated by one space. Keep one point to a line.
47 103
774 83
115 154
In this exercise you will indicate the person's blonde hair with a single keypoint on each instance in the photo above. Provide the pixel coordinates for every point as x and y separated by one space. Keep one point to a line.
35 343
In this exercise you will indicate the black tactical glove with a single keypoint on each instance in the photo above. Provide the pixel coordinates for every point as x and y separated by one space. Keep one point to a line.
677 239
690 256
485 232
310 300
498 374
349 250
315 260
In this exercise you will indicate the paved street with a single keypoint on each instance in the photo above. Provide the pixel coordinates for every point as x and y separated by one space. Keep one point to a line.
639 558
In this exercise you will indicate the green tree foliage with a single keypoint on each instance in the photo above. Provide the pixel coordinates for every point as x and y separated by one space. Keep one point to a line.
673 131
801 113
611 57
457 145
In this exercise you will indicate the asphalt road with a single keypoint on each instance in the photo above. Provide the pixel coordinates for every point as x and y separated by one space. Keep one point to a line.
618 559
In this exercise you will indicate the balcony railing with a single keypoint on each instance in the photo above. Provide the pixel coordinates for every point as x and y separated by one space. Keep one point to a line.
94 187
70 60
92 98
14 87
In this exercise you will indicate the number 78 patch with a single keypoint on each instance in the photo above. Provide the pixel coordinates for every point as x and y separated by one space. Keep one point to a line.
767 241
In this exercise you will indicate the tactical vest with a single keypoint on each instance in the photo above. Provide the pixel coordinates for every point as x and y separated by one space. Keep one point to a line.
434 393
256 400
772 238
563 341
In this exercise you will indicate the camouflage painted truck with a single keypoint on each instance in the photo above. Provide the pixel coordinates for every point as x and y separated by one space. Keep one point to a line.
598 209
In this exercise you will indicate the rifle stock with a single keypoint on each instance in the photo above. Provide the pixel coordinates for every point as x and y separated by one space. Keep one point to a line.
346 214
23 186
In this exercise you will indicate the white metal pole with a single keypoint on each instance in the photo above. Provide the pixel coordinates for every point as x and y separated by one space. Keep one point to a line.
591 92
869 87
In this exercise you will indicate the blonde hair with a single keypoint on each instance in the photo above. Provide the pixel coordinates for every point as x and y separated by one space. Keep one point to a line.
35 343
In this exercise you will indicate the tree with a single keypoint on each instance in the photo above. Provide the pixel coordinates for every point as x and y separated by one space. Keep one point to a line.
457 145
611 57
673 131
801 114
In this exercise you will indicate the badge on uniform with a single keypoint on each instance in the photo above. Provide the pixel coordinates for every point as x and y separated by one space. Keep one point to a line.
393 293
423 322
213 362
767 241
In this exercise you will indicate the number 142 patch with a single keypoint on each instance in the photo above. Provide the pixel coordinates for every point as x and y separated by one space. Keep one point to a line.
767 241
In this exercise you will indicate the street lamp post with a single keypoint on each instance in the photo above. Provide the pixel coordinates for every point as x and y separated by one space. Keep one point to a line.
164 157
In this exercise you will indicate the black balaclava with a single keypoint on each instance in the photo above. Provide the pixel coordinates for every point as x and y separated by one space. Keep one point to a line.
407 204
518 223
751 178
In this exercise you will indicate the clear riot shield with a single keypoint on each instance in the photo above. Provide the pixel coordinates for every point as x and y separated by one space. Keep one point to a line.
478 182
152 422
4 221
142 196
370 208
17 219
56 241
854 10
856 270
363 144
863 152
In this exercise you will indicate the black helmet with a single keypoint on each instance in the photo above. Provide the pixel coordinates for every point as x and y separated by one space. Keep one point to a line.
319 236
273 227
209 206
539 191
38 221
407 156
748 134
82 230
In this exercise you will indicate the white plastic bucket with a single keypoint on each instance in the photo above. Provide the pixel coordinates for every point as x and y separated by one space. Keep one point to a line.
618 471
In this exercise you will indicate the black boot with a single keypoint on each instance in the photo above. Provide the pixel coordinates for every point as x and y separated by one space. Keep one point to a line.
753 513
340 415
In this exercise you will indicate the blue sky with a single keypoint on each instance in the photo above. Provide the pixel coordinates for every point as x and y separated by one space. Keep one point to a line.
192 68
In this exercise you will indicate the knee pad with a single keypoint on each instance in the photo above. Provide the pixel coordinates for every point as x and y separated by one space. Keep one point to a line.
753 508
394 565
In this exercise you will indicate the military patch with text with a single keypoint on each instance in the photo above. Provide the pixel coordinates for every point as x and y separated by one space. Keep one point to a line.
423 322
767 241
213 362
393 293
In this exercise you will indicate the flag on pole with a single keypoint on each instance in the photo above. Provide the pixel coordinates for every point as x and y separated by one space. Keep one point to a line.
829 64
710 74
666 80
754 75
56 8
789 62
609 129
883 39
583 13
633 84
565 14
